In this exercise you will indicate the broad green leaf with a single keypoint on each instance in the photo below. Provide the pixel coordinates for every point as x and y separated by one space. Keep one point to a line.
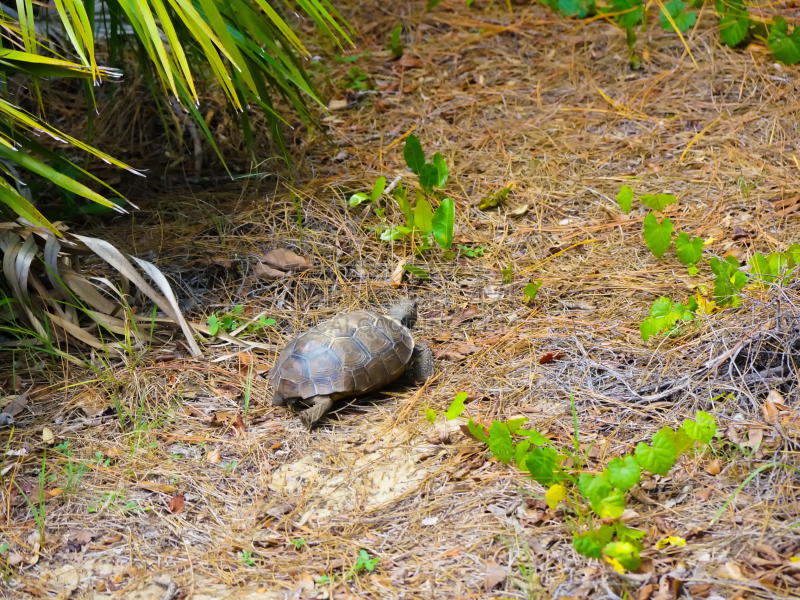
682 441
658 202
395 45
417 271
500 442
624 473
536 438
442 223
456 406
657 458
684 313
625 553
378 188
430 415
428 177
778 264
728 282
612 506
397 232
594 488
679 11
514 424
649 328
792 255
542 465
441 168
529 293
423 217
702 429
733 21
625 198
661 309
521 455
401 197
628 534
760 268
689 251
555 494
785 46
657 236
588 545
628 12
477 431
575 8
412 152
357 199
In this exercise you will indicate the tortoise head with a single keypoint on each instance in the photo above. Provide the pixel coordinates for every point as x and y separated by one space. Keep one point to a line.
404 311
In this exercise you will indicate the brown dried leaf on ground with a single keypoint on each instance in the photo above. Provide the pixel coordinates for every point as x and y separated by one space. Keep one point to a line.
286 260
495 575
266 272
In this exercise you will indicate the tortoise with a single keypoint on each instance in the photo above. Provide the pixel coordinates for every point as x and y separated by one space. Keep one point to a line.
354 353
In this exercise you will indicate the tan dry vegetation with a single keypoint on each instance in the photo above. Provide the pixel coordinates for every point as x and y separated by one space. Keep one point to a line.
519 97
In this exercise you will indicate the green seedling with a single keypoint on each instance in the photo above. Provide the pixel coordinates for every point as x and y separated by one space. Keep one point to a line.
234 319
508 273
472 252
676 14
246 558
496 199
734 21
298 544
377 190
785 46
530 291
395 45
666 316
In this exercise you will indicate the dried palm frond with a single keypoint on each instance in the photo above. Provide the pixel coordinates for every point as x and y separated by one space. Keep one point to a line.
48 296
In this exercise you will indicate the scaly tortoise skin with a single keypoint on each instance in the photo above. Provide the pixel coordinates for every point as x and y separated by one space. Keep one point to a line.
352 354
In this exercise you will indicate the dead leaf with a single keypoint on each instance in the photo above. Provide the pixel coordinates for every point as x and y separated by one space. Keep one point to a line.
12 384
409 62
47 435
770 412
466 348
223 261
263 271
177 504
646 592
732 571
549 357
337 105
110 452
286 260
214 456
157 487
495 575
699 590
54 493
14 559
769 552
443 337
639 494
754 437
447 354
222 418
15 404
518 212
714 467
78 539
468 313
399 271
704 494
91 403
239 425
741 234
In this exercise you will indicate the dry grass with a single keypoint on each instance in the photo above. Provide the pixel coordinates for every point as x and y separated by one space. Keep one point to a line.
504 97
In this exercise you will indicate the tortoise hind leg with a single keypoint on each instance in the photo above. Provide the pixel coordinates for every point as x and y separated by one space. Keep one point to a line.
422 363
319 406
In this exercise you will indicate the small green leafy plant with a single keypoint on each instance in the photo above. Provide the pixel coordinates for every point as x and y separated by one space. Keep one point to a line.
666 316
234 319
395 45
601 496
377 190
421 218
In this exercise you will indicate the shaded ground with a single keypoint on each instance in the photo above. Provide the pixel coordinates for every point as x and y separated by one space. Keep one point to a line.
271 510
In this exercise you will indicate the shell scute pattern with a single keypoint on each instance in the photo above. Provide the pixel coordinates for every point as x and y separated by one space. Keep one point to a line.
351 354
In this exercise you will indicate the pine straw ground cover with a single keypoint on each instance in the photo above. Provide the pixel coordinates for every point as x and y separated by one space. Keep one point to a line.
160 498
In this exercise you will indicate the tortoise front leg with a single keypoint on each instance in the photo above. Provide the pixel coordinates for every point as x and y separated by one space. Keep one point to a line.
319 406
422 363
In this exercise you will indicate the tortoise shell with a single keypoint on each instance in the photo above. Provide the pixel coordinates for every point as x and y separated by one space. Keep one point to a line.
351 354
